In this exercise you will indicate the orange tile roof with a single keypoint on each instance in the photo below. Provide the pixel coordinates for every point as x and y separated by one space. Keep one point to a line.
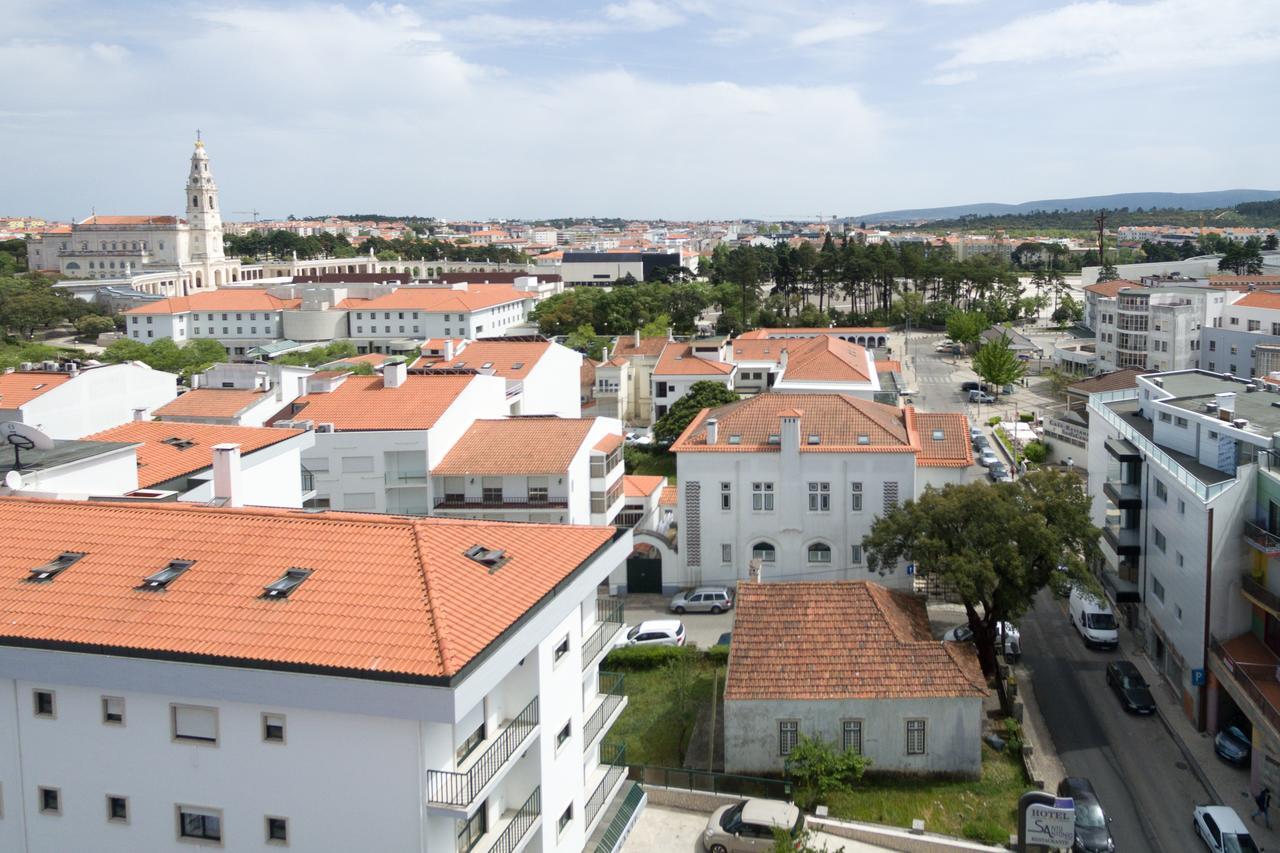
609 443
677 359
842 640
389 597
953 450
510 360
210 403
1244 279
1258 299
377 359
21 387
516 446
438 299
626 347
670 497
230 299
827 359
641 485
837 419
887 365
159 462
362 403
808 331
1111 288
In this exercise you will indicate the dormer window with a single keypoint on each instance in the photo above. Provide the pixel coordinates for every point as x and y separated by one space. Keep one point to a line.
161 579
939 435
491 558
864 439
287 583
179 443
814 438
774 438
51 569
735 439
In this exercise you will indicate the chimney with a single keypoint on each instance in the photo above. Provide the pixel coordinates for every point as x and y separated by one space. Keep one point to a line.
754 571
782 363
791 431
604 352
448 349
671 333
394 373
140 413
637 338
226 474
1226 401
713 430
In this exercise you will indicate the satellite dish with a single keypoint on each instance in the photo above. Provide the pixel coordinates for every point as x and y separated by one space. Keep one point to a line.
24 436
13 480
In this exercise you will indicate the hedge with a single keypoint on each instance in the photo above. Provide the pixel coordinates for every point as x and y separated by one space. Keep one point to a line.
644 657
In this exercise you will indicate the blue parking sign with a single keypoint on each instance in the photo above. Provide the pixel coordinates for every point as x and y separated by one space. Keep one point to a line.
1197 677
911 568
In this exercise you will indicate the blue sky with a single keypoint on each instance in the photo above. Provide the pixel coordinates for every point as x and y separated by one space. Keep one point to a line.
645 108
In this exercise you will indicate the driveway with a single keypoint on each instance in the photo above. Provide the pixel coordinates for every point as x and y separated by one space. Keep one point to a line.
700 629
662 830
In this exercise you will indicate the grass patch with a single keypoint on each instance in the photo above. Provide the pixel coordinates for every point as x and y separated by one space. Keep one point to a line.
962 807
654 727
640 460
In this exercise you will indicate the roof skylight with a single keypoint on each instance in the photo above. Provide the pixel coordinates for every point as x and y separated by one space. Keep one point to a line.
161 579
286 583
51 569
491 558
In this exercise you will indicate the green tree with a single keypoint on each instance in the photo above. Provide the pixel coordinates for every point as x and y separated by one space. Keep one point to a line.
27 312
657 327
965 327
819 769
584 340
125 349
997 364
92 325
1069 310
701 395
996 545
1108 272
1242 258
1271 243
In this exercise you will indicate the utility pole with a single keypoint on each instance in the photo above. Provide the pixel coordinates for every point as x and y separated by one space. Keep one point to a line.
1101 221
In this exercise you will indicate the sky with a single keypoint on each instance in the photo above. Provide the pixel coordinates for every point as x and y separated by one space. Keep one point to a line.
679 109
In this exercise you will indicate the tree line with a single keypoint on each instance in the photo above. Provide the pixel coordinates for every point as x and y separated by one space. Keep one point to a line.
283 244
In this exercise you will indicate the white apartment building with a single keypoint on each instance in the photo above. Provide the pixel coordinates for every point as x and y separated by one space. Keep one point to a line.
248 394
558 470
377 437
66 401
624 383
642 508
237 318
796 480
273 658
459 310
543 378
1230 345
683 364
1153 328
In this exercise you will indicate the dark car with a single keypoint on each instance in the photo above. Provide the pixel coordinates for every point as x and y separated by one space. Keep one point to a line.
981 443
724 638
1093 835
1123 677
1233 745
966 387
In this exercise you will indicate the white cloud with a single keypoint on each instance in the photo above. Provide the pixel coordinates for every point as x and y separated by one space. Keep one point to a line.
835 30
952 78
643 15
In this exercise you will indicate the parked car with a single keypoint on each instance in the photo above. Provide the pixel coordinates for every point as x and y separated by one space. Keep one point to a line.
964 634
1123 677
747 827
1233 745
704 599
981 443
999 473
1093 835
1093 618
725 638
987 457
656 632
1222 830
976 396
975 433
966 387
631 437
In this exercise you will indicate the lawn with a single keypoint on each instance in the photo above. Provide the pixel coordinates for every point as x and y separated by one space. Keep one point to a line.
655 730
966 808
644 461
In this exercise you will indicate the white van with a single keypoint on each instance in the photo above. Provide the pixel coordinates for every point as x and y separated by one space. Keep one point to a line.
1094 619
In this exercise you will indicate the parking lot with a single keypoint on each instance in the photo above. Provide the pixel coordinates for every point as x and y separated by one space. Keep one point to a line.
664 830
701 629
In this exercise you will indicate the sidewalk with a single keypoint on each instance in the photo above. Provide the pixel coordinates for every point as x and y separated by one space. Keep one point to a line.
1228 783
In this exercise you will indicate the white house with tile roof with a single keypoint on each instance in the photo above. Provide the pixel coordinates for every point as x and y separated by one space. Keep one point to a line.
543 378
67 401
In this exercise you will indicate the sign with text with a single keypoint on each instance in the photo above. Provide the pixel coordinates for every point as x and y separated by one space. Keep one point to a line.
1052 826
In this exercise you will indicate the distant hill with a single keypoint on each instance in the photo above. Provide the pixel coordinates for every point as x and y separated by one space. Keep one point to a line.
1185 201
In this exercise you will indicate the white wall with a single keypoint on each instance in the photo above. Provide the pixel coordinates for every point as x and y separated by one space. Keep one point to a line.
271 476
553 386
98 399
111 473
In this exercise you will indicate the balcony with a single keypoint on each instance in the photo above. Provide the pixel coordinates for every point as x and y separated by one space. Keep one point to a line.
1259 538
612 773
406 479
1121 494
514 389
308 483
612 700
460 502
1247 669
1260 595
1123 540
519 824
609 623
458 790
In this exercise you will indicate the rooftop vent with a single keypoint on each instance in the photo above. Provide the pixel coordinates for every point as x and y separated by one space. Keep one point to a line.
814 438
287 583
179 443
939 435
47 572
1240 423
161 579
491 559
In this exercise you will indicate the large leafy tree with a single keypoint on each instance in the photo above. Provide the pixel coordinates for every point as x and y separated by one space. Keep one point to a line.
701 395
965 327
996 545
998 364
1242 258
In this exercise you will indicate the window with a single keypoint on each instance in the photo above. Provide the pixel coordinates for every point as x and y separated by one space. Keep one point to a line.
762 497
1157 588
1213 346
726 553
473 828
915 737
819 497
198 823
1254 325
1165 418
50 800
855 555
1162 494
851 736
491 489
788 736
537 490
565 819
277 830
819 552
113 710
1182 506
726 496
1178 558
764 552
562 648
469 745
194 723
1158 539
855 497
563 734
117 809
43 703
273 728
1180 422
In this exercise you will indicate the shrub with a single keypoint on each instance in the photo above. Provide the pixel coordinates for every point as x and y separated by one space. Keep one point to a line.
1036 451
992 421
1027 417
645 657
718 655
819 770
1013 735
986 830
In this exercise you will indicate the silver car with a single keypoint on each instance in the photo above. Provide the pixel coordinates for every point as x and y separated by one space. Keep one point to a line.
747 827
704 599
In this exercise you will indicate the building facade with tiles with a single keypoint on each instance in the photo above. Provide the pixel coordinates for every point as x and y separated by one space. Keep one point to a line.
327 682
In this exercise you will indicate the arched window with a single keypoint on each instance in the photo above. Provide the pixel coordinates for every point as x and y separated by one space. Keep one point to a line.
211 205
195 201
819 552
764 552
72 265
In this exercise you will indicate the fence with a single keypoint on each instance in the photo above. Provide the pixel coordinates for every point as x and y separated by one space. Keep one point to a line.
713 783
459 789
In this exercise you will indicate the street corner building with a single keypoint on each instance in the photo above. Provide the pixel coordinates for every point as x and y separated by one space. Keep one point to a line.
851 663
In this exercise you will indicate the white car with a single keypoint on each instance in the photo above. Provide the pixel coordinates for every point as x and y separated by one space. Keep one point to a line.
988 458
963 634
1222 830
656 632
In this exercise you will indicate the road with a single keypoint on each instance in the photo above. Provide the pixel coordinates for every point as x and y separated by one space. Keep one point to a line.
1141 775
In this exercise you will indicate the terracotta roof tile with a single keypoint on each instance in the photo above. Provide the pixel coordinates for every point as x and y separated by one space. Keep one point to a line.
516 446
677 359
210 403
641 485
837 419
953 450
159 462
388 597
609 443
626 346
439 299
841 640
808 331
21 387
508 359
130 220
230 299
827 359
362 403
1111 288
1258 299
670 497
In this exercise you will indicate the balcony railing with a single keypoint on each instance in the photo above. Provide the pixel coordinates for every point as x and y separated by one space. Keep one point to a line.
612 695
1122 494
617 769
308 480
452 502
609 616
460 789
1261 538
1248 677
1119 538
524 818
405 478
1259 593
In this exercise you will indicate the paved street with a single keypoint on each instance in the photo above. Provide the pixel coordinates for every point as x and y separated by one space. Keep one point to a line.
700 629
1140 773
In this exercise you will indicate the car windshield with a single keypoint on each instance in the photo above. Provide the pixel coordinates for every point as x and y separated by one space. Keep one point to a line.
631 635
1090 815
1102 621
1133 682
1238 843
732 817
